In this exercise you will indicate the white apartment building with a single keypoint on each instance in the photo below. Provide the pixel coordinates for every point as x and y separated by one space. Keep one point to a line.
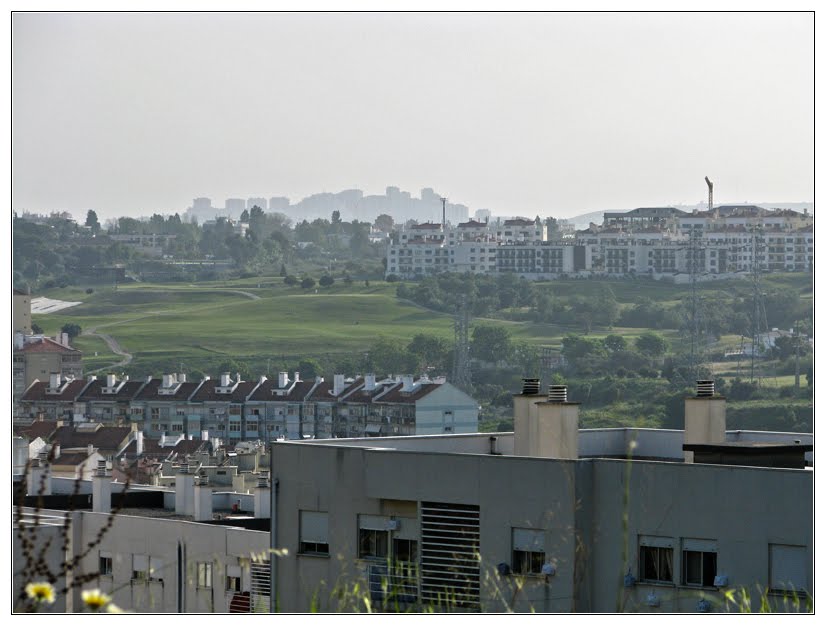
656 242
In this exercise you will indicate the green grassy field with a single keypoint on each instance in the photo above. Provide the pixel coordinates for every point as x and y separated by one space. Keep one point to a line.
255 319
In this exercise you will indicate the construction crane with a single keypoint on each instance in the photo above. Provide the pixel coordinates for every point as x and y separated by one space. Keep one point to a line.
710 194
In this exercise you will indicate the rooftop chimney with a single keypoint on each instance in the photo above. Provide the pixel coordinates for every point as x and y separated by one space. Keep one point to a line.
204 435
283 379
369 382
181 377
225 379
39 478
202 499
110 380
54 380
139 443
407 383
524 407
101 489
705 417
338 384
184 491
297 378
553 430
261 497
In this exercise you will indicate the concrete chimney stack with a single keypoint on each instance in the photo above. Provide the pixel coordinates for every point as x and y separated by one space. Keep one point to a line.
297 377
225 378
139 443
369 382
705 417
554 429
407 383
54 380
202 499
283 380
64 337
261 497
184 491
101 489
110 380
338 384
39 478
181 377
524 406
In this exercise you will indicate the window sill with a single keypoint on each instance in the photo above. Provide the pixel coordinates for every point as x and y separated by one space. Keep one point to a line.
655 583
314 555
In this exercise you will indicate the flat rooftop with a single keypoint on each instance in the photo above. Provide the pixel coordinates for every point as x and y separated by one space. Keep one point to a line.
652 444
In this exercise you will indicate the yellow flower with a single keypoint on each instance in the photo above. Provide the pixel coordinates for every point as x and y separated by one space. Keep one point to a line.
40 592
113 608
95 599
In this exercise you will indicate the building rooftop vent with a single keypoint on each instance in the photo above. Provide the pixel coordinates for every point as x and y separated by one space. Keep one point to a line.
530 386
705 388
557 393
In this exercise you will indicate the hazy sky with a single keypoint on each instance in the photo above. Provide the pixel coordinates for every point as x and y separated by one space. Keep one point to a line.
550 114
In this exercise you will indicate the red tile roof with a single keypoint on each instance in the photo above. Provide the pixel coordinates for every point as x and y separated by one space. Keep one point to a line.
150 391
95 391
265 393
208 392
37 392
397 396
38 428
45 344
108 438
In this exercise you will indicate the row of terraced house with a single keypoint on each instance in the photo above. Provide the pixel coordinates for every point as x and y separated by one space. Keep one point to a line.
655 241
264 409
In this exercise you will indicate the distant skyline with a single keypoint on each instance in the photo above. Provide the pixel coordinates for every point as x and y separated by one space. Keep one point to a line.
541 113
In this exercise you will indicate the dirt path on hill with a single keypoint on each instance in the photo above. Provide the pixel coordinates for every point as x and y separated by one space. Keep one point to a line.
114 346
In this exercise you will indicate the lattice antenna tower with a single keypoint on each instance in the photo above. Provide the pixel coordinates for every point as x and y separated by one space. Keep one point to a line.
461 356
695 329
758 312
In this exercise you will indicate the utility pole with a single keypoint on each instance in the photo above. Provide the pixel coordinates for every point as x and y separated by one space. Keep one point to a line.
796 357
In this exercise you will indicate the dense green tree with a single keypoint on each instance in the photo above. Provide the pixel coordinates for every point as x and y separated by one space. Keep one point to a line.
652 344
431 351
307 283
615 343
326 280
92 221
73 330
491 343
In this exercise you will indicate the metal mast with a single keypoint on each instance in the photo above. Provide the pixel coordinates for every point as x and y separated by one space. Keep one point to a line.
710 194
757 296
461 356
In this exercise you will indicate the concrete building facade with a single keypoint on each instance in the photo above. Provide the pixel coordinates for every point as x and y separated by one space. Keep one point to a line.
468 523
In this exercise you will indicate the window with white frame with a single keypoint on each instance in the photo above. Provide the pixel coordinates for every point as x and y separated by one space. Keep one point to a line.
699 562
528 554
235 427
204 575
314 533
140 567
656 559
105 563
156 568
787 568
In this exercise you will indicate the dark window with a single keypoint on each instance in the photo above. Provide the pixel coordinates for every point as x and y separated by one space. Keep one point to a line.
105 565
372 544
699 568
656 564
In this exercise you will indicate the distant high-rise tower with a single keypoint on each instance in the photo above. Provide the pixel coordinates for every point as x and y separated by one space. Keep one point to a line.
261 203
